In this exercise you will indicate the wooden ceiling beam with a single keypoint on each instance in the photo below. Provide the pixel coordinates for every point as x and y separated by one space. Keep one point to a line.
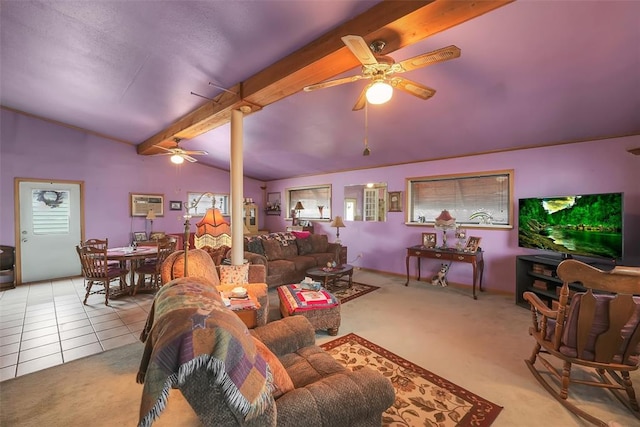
398 23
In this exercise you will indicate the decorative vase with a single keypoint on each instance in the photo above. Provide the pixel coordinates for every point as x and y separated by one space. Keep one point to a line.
320 208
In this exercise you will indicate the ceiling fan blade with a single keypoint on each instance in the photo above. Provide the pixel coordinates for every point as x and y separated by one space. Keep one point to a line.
196 152
362 100
360 49
331 83
189 158
413 88
430 58
168 150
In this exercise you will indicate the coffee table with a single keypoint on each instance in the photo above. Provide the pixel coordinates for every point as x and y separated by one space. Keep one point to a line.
330 275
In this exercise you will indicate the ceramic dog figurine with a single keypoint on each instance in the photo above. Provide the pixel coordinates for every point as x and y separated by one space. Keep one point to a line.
440 279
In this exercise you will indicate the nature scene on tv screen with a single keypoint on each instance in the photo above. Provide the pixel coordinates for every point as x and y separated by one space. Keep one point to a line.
589 225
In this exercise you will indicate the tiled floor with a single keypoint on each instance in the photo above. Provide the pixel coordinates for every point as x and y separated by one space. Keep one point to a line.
45 324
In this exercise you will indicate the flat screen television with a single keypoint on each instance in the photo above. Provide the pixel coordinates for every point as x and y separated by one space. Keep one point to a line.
589 225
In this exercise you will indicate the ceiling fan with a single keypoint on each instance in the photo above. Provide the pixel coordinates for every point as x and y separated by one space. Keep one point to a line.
178 155
381 69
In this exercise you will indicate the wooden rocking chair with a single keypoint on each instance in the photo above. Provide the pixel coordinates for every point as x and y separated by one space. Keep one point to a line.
598 329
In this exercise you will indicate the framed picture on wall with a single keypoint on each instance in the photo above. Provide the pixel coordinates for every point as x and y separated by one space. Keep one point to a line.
395 201
472 244
175 205
429 240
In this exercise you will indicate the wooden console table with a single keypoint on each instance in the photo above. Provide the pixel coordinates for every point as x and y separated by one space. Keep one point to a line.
473 258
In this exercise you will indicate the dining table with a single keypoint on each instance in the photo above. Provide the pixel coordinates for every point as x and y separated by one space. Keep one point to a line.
132 257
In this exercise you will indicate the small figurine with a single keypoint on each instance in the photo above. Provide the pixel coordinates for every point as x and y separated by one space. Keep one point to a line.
440 279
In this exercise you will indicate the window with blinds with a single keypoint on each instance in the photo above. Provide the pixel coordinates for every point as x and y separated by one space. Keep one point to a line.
480 199
51 211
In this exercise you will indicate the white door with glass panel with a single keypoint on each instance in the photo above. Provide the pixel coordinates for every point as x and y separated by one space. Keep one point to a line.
370 204
50 229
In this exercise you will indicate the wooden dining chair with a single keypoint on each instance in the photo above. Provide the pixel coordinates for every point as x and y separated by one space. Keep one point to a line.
100 244
96 270
597 329
151 270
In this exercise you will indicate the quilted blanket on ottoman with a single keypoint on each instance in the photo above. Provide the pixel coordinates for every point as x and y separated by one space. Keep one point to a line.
190 330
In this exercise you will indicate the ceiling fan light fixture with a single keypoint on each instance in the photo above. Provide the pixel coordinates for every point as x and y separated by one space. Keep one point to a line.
379 92
177 159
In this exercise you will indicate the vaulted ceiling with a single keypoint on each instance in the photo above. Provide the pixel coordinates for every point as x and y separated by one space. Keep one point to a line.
530 74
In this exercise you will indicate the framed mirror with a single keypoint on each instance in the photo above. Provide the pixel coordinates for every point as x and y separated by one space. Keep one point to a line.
366 202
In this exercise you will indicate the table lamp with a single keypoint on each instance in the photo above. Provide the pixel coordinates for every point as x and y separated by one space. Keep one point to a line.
151 215
444 221
337 223
297 209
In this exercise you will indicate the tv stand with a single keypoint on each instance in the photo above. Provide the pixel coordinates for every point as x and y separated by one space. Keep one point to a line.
537 274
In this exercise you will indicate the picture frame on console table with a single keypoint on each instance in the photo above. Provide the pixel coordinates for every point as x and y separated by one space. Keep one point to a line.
472 244
429 240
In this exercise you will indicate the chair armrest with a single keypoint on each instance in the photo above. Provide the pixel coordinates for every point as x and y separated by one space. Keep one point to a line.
537 304
345 398
286 335
257 273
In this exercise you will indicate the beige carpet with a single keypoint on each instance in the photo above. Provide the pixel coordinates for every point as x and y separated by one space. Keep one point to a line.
479 345
422 398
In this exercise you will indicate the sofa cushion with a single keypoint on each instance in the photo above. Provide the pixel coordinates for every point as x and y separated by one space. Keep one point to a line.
305 245
234 274
310 364
281 380
303 263
320 242
272 250
290 251
281 267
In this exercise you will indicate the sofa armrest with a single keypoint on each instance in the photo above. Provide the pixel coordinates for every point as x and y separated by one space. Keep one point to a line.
367 392
257 273
286 335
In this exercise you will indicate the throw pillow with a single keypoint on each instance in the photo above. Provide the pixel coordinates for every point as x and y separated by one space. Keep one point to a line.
301 234
305 246
255 246
281 380
234 274
320 243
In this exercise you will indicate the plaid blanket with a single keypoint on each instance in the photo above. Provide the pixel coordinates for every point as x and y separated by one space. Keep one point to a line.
189 329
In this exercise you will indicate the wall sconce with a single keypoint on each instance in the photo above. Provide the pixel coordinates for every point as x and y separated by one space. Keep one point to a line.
337 223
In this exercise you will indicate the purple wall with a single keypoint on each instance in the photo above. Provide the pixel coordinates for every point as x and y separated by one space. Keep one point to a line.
589 167
32 148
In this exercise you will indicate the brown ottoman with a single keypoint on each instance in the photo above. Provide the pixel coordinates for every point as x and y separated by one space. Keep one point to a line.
321 308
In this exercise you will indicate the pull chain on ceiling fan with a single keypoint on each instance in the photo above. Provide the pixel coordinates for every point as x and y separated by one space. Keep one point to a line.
381 69
366 151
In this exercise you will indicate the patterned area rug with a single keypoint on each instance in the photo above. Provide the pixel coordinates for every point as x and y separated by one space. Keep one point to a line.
422 398
357 290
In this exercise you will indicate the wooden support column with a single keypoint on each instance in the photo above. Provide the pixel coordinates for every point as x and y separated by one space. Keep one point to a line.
237 184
